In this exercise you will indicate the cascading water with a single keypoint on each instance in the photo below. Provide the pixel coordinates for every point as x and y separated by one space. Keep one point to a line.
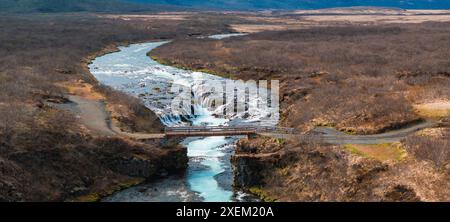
209 176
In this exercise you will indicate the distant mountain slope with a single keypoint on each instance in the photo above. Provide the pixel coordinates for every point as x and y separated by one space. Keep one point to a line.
74 6
302 4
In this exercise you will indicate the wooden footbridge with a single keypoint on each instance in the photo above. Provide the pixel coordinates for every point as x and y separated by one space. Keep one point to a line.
225 130
203 131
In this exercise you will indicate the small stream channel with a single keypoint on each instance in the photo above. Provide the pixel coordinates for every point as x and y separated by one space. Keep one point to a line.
209 176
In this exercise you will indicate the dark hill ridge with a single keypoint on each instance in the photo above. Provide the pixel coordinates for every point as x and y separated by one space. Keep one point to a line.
26 6
154 5
301 4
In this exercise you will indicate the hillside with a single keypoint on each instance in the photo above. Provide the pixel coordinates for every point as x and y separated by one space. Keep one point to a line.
301 4
27 6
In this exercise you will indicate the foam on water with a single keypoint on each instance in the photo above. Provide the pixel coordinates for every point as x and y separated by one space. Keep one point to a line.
207 150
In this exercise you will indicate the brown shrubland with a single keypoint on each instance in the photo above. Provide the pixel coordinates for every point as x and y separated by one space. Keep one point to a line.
363 79
431 148
45 155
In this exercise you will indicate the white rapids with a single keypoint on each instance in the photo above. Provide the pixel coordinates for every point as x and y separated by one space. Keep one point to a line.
209 175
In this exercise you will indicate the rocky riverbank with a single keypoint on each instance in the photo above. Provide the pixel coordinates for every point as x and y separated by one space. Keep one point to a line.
302 171
140 163
86 170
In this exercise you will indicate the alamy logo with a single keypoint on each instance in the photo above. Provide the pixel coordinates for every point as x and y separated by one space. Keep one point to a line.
227 97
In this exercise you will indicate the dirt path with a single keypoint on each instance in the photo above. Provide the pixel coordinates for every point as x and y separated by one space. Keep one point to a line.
333 136
93 115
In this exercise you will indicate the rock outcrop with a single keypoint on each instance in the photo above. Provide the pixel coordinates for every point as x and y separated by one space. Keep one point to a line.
308 172
91 169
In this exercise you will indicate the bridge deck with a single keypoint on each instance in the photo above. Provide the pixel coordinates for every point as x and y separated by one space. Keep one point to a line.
224 130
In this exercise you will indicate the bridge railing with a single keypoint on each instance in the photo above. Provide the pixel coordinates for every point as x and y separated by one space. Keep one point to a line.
252 129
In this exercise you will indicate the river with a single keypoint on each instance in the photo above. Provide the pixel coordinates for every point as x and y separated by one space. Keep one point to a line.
209 176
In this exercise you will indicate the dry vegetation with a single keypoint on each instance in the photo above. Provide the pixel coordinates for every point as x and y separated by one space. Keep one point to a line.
305 171
361 79
358 78
380 152
45 155
355 16
431 146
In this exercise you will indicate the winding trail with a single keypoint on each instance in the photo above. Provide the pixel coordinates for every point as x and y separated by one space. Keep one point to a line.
91 113
333 136
94 116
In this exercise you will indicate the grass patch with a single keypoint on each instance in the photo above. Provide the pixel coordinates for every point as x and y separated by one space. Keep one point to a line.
97 196
158 60
84 90
381 152
141 157
280 141
433 110
261 194
212 72
283 171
